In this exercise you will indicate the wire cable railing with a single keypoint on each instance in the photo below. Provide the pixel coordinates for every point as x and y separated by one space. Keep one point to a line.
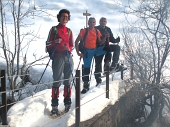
2 77
45 93
41 84
47 83
17 89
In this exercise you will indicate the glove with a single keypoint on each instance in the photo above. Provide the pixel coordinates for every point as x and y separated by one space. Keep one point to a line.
107 49
117 40
50 51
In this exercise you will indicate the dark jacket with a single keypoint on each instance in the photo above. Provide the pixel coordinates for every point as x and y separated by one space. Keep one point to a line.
104 31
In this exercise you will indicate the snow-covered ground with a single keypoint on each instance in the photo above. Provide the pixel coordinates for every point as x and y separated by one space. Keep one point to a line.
34 111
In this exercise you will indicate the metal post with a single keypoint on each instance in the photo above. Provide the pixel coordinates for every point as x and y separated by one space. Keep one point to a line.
4 99
77 120
107 81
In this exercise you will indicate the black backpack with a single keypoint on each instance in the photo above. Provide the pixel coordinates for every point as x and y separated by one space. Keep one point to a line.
81 44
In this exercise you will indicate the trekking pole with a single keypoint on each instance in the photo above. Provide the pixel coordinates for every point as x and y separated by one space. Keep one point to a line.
70 66
91 70
47 65
79 63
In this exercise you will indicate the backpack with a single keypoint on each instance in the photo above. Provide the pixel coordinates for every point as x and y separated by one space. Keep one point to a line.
51 50
82 41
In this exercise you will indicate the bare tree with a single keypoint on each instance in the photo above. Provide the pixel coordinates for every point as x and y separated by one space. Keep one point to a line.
14 42
147 47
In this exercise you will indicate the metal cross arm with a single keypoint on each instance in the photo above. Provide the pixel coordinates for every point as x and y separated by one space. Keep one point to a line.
86 14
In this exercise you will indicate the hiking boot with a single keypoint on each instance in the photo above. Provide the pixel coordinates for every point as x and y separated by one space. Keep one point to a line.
67 103
117 67
98 83
67 97
122 68
85 87
114 67
54 111
67 107
84 90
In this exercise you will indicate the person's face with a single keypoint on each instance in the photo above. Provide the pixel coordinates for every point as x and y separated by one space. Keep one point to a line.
103 22
92 23
64 18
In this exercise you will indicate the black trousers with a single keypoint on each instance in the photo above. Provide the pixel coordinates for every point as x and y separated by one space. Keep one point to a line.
98 60
85 74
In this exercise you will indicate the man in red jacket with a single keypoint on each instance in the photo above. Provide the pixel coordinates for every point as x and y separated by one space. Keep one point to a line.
59 45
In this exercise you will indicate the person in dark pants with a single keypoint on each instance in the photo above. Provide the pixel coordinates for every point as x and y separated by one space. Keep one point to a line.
60 42
108 56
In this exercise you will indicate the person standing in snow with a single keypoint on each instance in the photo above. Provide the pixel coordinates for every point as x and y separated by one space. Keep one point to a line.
59 45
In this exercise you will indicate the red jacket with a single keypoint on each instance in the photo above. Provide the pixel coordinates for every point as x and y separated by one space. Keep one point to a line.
65 34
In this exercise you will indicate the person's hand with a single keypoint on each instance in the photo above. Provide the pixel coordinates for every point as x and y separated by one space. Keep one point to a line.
117 40
58 40
66 47
80 54
107 35
50 51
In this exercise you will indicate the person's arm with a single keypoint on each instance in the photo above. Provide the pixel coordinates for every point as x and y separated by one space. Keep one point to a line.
49 42
112 39
52 39
71 41
77 46
101 41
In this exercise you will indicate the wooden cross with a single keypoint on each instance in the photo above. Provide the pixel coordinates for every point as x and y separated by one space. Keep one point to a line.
86 14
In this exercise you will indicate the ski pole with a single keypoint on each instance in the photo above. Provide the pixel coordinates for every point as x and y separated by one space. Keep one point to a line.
71 71
47 65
